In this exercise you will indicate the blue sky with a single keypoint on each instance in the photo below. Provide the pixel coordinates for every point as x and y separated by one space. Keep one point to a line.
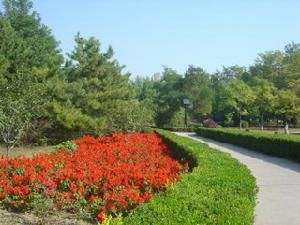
148 34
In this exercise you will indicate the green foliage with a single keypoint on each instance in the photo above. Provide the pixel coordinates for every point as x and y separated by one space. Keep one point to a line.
197 88
145 92
286 105
277 145
245 124
177 119
169 98
95 96
218 190
21 101
269 66
12 50
68 145
28 55
239 97
228 121
264 101
233 72
42 52
91 94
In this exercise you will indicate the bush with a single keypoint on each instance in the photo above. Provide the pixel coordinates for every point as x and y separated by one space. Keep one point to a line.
176 119
209 123
70 145
180 129
228 122
147 130
245 124
219 190
267 143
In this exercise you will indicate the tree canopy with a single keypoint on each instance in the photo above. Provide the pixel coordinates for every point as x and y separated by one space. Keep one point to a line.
57 98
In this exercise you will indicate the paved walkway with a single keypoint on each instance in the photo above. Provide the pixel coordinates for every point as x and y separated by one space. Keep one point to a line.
278 181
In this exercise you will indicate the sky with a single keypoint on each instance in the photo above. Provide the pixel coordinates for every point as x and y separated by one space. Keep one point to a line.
147 35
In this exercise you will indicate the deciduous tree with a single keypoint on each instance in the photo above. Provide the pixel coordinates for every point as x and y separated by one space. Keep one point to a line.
286 107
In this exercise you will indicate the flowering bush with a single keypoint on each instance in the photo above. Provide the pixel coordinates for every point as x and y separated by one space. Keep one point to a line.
105 176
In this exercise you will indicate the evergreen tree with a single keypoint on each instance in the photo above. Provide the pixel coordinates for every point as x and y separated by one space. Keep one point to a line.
42 55
95 94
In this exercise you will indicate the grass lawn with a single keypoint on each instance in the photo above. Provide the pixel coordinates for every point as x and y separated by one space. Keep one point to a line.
293 131
26 150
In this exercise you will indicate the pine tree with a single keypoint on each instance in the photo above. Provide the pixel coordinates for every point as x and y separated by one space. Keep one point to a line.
96 94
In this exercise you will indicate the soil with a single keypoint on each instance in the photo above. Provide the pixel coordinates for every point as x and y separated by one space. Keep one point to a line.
13 218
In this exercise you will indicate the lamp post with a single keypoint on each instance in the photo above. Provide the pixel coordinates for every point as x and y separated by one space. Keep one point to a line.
186 103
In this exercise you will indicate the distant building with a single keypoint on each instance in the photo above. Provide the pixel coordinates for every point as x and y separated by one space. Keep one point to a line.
156 77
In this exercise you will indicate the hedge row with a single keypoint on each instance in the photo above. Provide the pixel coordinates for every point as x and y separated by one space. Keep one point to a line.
286 146
218 190
180 129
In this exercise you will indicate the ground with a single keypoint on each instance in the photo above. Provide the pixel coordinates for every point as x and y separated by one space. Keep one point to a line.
26 150
11 218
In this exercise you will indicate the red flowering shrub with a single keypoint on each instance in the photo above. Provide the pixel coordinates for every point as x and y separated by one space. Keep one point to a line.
106 175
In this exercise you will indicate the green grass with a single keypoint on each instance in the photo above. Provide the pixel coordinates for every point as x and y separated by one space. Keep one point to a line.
286 146
293 131
26 150
269 133
218 190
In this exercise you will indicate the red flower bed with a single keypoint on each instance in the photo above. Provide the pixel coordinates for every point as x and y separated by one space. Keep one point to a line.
106 175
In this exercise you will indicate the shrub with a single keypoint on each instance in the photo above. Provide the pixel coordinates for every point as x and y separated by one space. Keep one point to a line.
245 124
228 121
70 145
147 130
219 190
209 123
286 146
180 129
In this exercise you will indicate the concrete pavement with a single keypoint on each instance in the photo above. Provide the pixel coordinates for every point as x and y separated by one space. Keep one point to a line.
278 180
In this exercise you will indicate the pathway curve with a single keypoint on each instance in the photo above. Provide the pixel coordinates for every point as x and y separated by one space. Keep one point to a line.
278 181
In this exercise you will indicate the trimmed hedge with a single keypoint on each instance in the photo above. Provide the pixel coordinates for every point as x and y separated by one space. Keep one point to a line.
285 146
180 129
218 190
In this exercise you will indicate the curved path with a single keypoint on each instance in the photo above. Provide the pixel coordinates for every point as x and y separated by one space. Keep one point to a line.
278 180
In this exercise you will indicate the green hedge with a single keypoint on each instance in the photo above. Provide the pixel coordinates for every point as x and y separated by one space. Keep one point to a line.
180 129
218 190
286 146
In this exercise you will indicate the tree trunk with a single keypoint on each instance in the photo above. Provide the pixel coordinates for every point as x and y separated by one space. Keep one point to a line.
286 127
262 122
7 150
240 121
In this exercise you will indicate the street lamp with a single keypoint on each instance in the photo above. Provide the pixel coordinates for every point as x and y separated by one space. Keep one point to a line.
186 103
